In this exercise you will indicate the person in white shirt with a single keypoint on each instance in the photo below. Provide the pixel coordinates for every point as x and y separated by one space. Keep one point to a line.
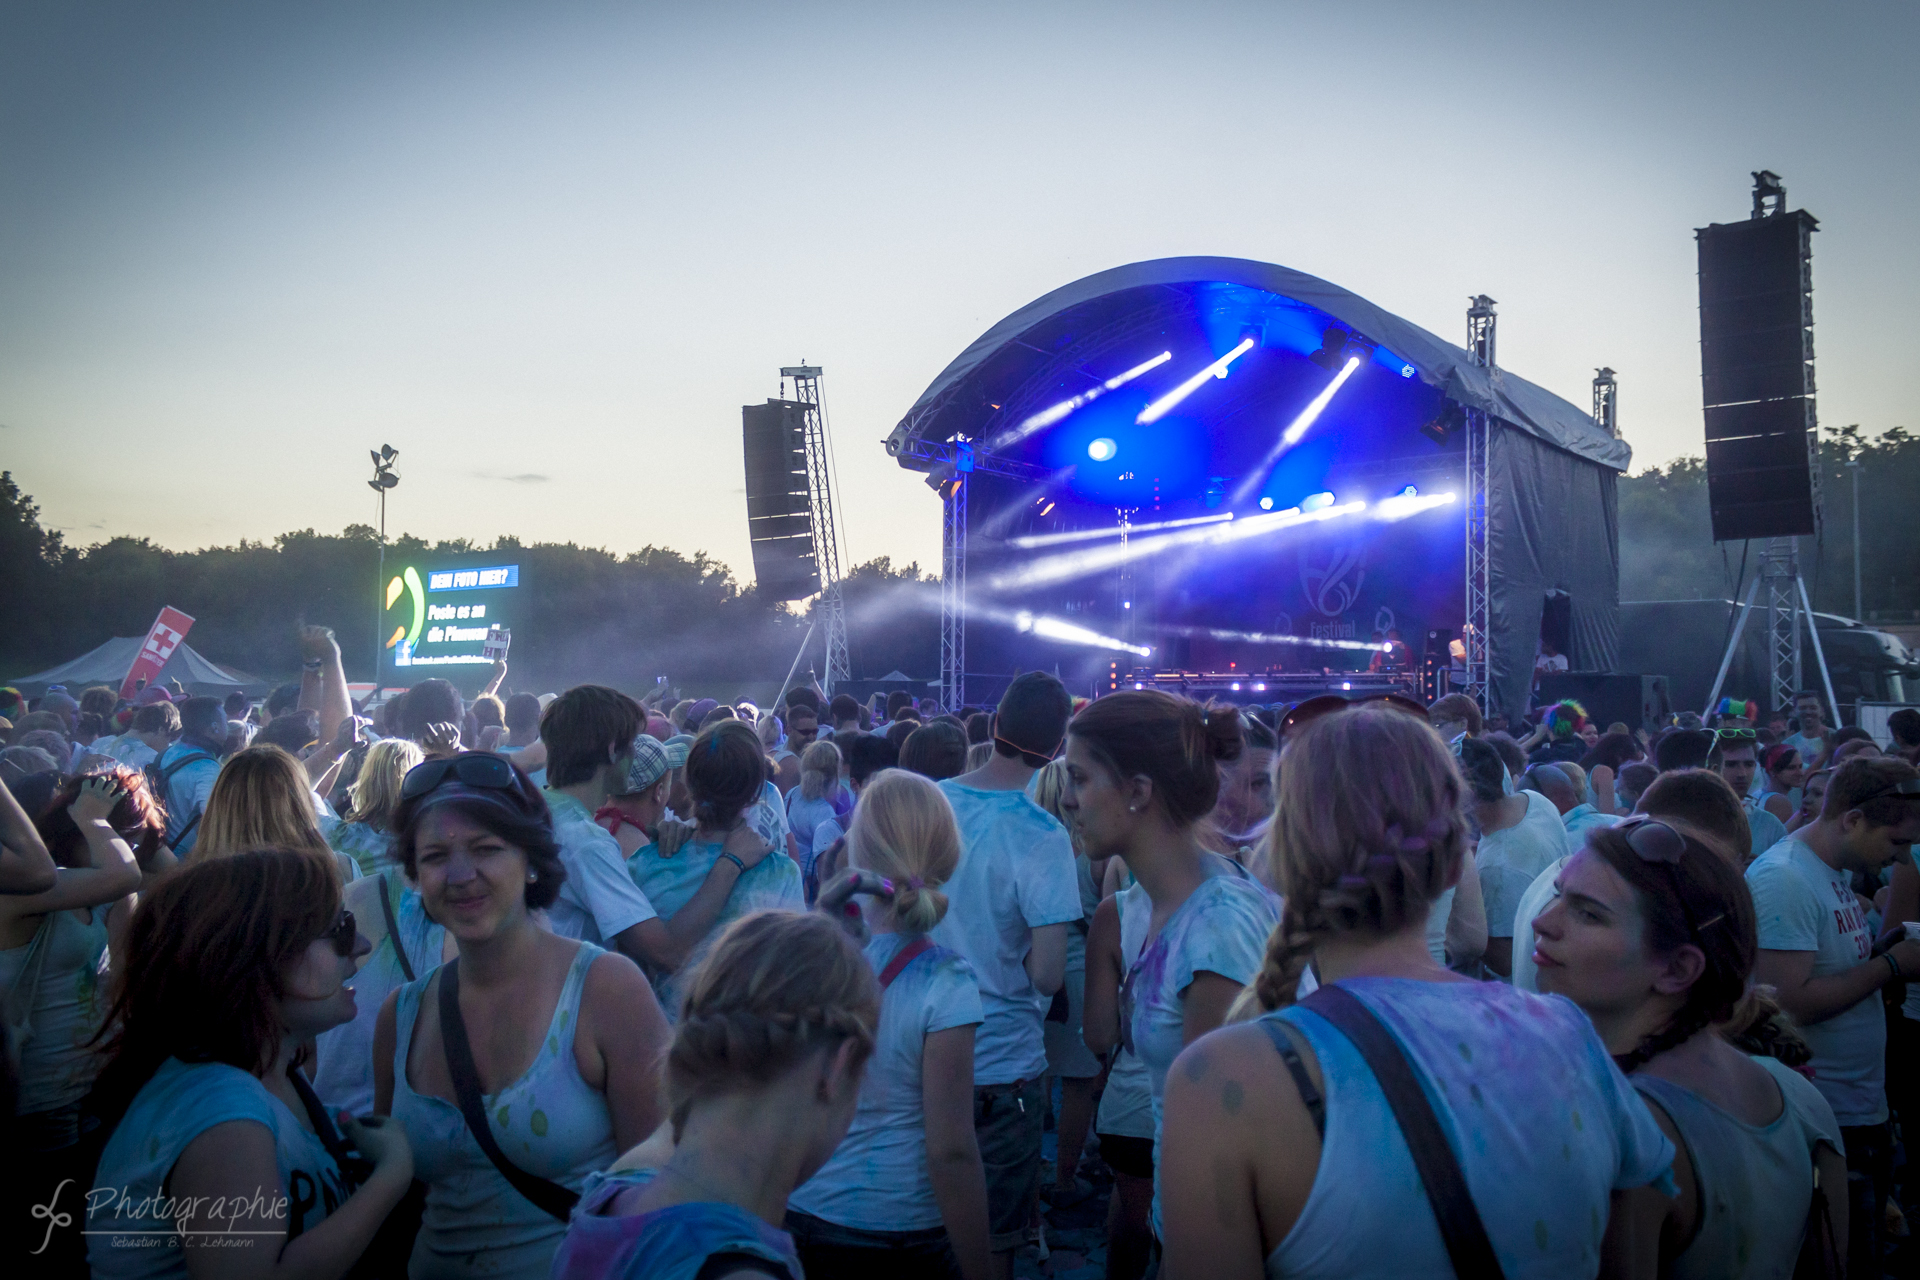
1520 834
151 732
1011 901
1816 949
904 1194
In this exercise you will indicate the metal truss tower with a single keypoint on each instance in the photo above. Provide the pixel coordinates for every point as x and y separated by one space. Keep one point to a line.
826 537
953 597
1479 595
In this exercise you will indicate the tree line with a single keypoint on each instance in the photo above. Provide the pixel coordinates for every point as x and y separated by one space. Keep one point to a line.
589 614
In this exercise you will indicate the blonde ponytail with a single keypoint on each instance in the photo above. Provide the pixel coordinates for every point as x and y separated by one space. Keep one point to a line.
904 829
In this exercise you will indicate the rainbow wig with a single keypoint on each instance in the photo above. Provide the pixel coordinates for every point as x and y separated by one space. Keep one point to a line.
1749 711
1564 719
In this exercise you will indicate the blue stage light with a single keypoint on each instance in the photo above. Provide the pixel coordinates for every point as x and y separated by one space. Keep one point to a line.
1408 492
1102 450
1047 417
1315 501
1407 371
1266 504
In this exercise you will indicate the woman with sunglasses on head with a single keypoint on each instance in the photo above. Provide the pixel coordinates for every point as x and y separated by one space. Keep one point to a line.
1143 770
527 1062
232 968
1286 1152
726 776
1652 933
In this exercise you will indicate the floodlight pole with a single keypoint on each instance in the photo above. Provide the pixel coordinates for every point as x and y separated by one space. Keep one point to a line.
953 596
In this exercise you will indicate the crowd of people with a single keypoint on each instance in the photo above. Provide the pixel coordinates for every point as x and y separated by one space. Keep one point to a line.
587 985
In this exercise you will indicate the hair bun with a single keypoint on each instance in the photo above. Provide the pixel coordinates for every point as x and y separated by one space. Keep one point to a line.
1221 721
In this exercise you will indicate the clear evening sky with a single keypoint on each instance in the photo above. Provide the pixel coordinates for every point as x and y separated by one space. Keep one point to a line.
549 250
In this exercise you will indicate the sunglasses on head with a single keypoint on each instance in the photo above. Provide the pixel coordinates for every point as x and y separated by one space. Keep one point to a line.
474 769
1907 789
1328 703
342 934
1654 841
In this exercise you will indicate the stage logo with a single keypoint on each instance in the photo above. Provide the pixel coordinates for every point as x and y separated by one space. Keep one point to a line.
1332 577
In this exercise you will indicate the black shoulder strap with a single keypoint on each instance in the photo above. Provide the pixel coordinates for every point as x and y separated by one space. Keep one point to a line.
393 936
549 1196
725 1264
1316 1104
1466 1236
166 774
353 1166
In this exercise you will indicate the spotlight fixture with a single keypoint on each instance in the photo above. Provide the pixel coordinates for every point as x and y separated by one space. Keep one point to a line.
1266 504
944 479
1103 449
1315 501
1215 492
1338 345
1443 424
1218 369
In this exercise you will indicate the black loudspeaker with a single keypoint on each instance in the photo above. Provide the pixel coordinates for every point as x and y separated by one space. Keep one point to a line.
1756 368
779 510
1639 702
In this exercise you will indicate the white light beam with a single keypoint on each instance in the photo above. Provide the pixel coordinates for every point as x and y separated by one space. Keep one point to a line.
1048 416
1218 369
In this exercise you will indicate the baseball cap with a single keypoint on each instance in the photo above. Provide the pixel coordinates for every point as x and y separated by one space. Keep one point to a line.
651 761
698 711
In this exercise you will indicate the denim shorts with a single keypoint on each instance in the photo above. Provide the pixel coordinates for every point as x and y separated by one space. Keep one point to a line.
1007 1121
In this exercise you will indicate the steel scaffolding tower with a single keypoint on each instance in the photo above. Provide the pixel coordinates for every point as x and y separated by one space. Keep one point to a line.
826 537
1479 595
953 598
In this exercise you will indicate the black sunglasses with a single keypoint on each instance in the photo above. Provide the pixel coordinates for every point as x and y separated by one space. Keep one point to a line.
1654 841
1328 703
1906 789
342 934
474 768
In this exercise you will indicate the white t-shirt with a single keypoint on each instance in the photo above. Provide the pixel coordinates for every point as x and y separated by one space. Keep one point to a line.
1537 898
877 1178
768 818
1802 904
598 900
1509 860
128 750
1016 874
1126 1107
1583 818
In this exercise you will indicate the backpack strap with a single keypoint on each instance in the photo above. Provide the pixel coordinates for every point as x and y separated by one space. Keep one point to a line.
543 1194
1316 1103
906 956
393 932
1468 1247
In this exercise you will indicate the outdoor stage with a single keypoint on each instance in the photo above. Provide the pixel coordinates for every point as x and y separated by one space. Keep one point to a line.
1215 471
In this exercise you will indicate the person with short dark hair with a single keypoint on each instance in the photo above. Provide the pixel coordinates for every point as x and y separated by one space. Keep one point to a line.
1521 834
474 834
187 770
979 728
292 732
150 732
283 699
1817 949
1632 784
1013 897
236 705
936 750
844 712
899 731
522 718
1734 758
1813 740
1904 728
896 700
1683 749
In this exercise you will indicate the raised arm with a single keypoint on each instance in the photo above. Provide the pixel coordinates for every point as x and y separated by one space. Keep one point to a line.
111 872
25 864
323 683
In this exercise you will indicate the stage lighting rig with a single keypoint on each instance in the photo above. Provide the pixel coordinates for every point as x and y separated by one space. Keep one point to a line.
1443 424
944 479
1337 346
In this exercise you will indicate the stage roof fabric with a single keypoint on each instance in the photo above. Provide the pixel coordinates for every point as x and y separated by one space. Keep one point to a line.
1440 364
110 663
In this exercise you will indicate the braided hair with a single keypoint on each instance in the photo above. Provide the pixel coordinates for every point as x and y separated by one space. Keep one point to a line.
1700 901
777 987
1368 831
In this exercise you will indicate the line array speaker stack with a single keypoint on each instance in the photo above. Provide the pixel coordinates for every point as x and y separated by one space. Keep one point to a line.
779 511
1756 364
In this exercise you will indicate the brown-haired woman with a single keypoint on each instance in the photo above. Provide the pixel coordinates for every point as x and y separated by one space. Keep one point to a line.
762 1081
1143 770
564 1039
232 968
52 947
264 800
727 778
1282 1155
1652 934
